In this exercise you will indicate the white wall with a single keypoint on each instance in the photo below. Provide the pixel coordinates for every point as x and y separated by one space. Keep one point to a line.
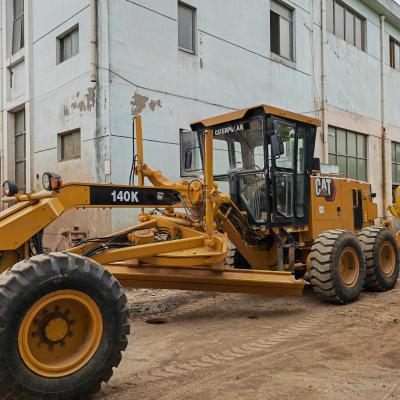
232 68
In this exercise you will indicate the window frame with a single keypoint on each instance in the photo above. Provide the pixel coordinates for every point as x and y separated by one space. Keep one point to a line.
348 156
61 43
18 18
22 161
347 9
392 54
60 145
395 162
291 29
193 10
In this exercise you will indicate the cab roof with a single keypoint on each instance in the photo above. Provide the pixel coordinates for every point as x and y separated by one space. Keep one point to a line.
240 114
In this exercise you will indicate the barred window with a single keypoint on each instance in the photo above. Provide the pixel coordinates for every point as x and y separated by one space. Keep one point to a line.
348 150
345 23
68 44
396 163
281 30
20 149
69 145
18 26
186 27
394 54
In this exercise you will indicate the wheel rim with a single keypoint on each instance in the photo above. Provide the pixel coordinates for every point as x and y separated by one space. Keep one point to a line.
387 258
60 333
349 266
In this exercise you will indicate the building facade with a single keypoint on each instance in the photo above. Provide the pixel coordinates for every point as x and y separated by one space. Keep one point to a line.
74 74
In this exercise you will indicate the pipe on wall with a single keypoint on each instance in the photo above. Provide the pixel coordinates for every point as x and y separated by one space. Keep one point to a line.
1 102
324 111
93 40
383 119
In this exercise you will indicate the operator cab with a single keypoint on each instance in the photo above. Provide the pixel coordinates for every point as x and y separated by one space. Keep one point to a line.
263 158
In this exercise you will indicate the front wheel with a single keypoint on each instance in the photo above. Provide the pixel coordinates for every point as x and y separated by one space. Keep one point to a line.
63 326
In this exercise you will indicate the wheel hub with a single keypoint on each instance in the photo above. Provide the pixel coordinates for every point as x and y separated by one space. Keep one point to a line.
388 259
60 333
56 329
349 266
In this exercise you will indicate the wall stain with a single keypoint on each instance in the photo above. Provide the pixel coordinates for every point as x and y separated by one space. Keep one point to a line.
153 104
139 103
83 104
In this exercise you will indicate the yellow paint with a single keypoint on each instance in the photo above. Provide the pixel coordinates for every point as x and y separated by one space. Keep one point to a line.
60 333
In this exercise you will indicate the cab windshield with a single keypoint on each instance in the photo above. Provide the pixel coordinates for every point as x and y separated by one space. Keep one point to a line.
239 147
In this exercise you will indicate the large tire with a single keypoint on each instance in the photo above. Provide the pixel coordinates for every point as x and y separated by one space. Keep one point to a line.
382 258
337 266
63 327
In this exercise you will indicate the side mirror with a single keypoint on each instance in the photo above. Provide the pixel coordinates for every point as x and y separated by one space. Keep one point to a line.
190 156
188 159
316 164
277 147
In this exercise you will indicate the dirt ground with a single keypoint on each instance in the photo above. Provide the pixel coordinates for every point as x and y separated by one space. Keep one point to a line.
203 346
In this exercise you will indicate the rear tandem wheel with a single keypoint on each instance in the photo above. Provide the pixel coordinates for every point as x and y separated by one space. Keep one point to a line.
63 326
337 266
382 258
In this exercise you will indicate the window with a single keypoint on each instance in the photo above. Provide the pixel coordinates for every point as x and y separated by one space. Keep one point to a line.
348 150
281 30
68 44
18 26
186 27
69 145
394 54
342 21
19 149
395 163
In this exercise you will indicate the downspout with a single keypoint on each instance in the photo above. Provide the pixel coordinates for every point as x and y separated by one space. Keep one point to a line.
1 101
93 40
93 71
383 122
324 111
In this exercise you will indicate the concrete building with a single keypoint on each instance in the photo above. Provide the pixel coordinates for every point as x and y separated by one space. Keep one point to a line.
74 73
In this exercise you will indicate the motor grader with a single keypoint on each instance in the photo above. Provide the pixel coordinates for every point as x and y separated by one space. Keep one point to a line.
252 214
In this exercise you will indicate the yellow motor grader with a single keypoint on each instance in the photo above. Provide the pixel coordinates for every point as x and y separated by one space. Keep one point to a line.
252 214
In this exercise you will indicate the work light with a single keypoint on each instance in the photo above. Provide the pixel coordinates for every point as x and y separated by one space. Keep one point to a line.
9 188
51 181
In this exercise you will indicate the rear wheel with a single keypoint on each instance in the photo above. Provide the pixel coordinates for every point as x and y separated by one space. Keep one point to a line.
382 258
63 326
337 266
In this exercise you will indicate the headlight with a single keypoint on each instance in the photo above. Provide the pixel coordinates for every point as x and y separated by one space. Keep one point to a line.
9 188
51 181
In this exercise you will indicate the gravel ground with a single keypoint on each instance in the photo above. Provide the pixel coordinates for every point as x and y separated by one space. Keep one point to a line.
203 346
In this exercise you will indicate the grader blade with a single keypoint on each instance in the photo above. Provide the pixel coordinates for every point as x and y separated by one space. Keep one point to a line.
227 280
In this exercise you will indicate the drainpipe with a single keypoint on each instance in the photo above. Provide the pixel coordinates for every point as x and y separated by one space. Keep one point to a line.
383 122
93 40
324 110
2 139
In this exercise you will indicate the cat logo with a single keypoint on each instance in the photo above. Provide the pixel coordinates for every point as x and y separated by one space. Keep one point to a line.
325 187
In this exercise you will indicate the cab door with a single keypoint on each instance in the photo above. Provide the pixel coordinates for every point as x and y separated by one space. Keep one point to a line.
290 174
